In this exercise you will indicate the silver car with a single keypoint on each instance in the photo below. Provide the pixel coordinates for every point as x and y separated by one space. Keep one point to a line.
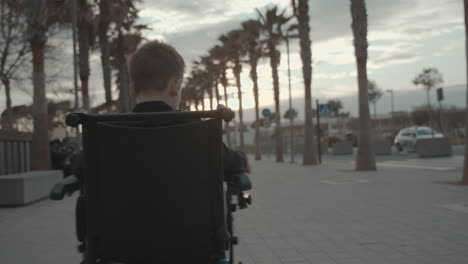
407 137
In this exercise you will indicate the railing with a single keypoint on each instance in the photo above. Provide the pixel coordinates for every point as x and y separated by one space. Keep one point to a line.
15 152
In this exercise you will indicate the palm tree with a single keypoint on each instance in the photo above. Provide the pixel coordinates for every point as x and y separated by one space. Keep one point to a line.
336 106
219 54
215 68
365 159
125 17
301 11
188 94
103 29
37 36
374 94
120 47
232 42
206 76
195 87
429 78
465 168
272 23
122 14
252 30
85 18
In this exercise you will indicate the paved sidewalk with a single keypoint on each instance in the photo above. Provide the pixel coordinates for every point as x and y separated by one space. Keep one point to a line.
322 214
330 214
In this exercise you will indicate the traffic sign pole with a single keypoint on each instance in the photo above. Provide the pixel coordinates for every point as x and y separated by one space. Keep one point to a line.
440 97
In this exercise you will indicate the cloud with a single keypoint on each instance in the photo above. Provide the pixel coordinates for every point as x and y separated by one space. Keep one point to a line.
391 58
194 26
447 47
398 33
335 76
400 52
337 51
338 91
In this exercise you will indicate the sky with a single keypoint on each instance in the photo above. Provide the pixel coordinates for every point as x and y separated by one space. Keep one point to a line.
405 36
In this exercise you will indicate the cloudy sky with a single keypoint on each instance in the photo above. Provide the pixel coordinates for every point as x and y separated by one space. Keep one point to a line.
404 37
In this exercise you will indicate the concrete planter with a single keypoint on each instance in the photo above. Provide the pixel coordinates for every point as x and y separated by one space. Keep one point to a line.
382 147
433 147
300 148
342 148
324 148
27 187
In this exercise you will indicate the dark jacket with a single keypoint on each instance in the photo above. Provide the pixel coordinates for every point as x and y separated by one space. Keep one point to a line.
234 162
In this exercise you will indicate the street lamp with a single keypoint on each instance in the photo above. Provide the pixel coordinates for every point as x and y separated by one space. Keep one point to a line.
73 11
288 36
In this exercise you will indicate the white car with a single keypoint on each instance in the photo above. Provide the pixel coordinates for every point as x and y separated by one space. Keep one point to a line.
407 137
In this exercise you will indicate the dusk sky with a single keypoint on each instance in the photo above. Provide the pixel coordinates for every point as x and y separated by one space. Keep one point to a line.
404 37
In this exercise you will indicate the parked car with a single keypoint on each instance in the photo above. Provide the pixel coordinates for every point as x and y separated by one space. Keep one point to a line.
407 137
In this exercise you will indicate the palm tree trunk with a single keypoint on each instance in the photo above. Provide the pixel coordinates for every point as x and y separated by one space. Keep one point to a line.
124 93
365 159
218 98
37 36
465 168
375 111
224 83
253 73
40 159
210 95
83 45
105 52
274 71
8 124
237 72
309 157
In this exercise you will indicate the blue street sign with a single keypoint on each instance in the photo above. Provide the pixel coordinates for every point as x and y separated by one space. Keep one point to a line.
325 110
266 112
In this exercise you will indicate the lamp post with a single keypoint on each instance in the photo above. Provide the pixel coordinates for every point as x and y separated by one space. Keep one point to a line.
74 22
288 36
74 11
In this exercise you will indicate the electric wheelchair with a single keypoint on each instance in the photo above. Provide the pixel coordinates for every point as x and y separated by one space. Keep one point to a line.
152 188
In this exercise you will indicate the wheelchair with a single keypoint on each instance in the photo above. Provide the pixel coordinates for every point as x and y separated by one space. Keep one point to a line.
152 189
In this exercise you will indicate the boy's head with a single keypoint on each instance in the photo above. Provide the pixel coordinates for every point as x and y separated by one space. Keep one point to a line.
156 71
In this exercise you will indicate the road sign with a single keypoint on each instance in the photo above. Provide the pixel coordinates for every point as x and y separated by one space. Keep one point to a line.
266 112
325 110
440 94
266 123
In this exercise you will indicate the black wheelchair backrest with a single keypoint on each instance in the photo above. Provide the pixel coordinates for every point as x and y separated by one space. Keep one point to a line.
152 194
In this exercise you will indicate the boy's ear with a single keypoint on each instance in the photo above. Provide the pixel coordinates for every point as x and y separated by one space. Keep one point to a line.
174 86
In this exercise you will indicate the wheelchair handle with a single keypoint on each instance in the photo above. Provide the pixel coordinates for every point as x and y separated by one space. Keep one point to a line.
76 118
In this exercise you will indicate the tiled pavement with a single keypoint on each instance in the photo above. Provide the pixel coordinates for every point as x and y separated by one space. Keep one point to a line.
323 214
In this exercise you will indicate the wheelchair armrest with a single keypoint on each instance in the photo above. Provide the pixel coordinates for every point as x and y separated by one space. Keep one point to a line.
66 186
239 182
